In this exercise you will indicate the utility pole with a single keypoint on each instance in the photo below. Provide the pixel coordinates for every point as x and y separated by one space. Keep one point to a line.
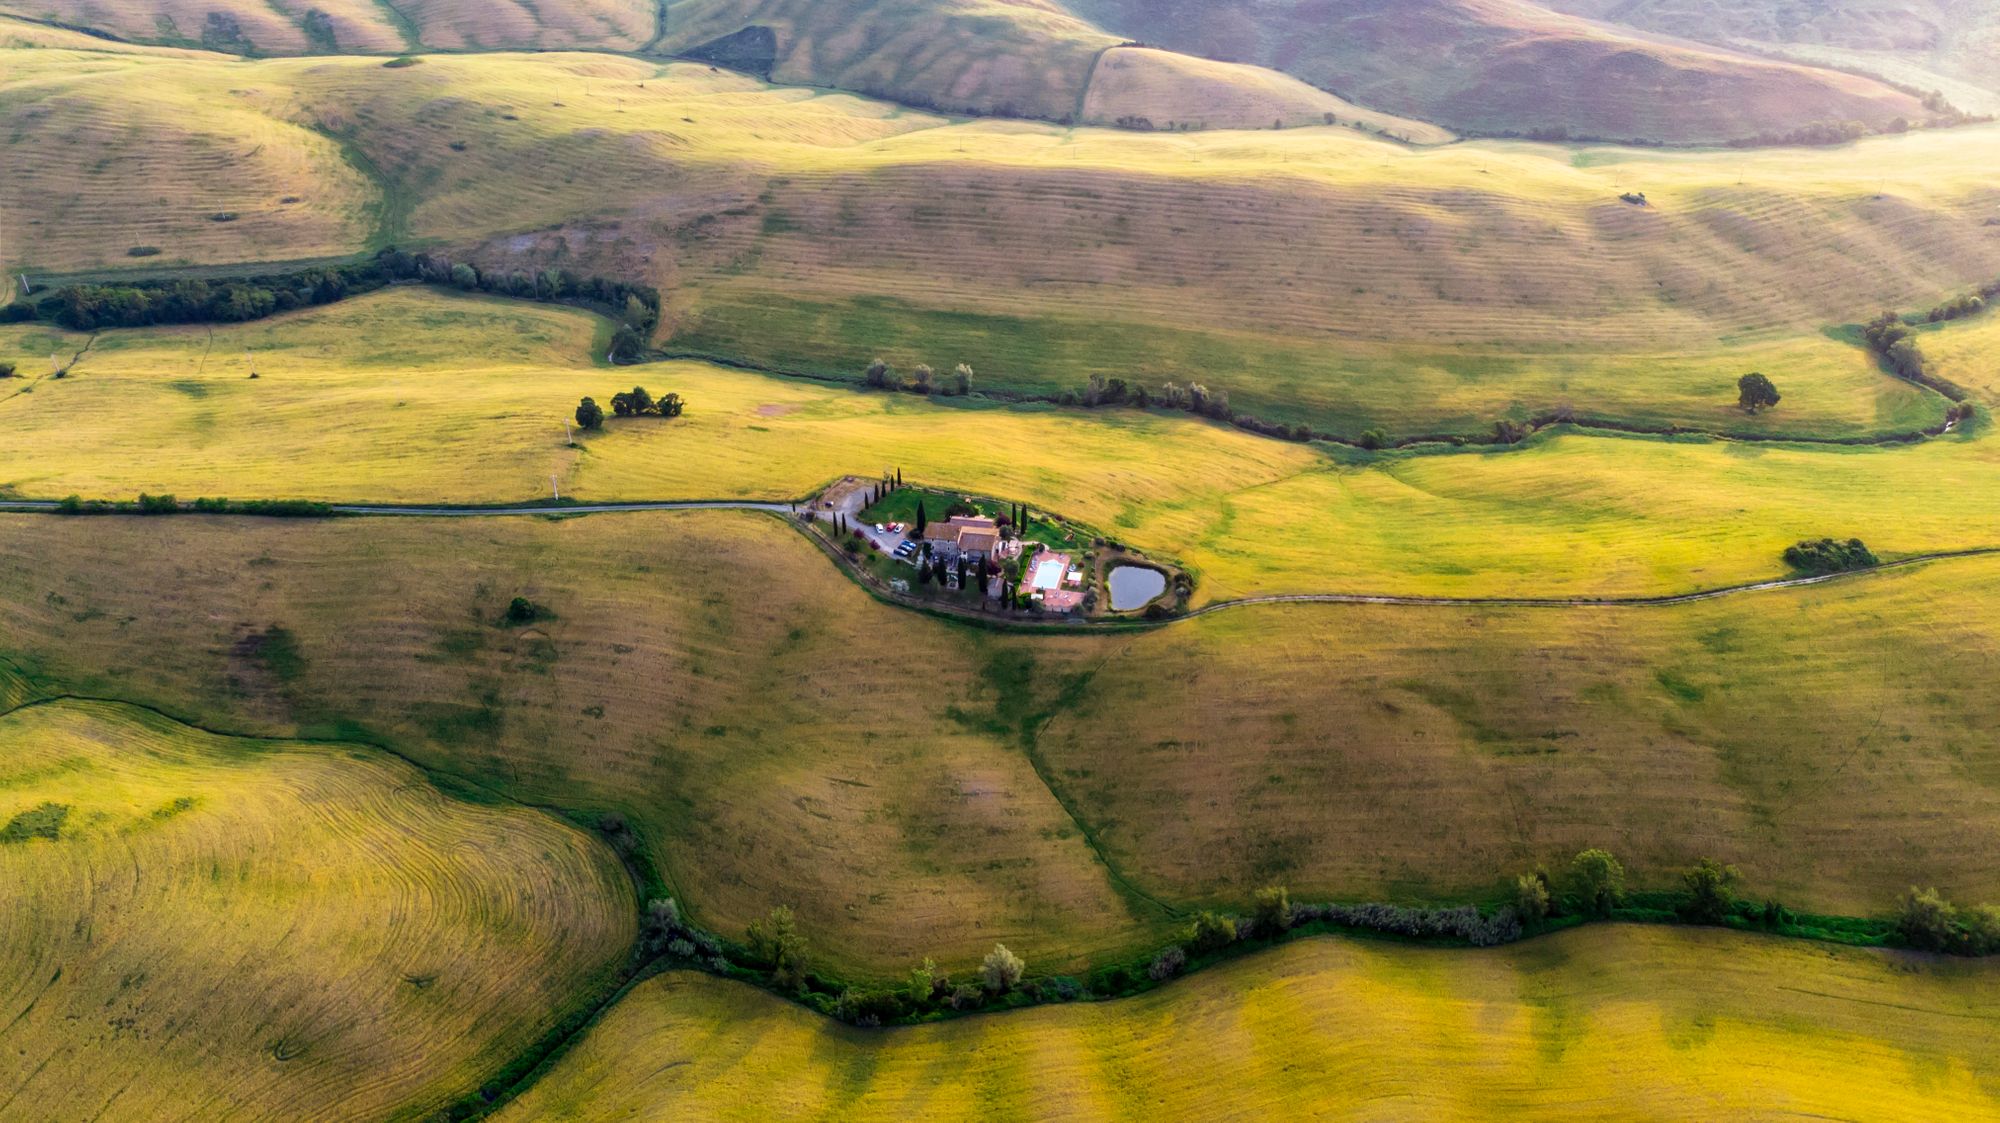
557 485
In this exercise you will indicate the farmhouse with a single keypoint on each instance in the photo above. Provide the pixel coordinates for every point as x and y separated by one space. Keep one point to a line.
964 536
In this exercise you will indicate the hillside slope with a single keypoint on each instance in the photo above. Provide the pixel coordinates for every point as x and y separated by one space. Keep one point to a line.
196 927
1509 66
1590 1025
1316 274
1949 45
1010 57
1160 89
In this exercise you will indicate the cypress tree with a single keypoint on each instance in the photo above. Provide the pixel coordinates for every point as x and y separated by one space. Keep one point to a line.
923 518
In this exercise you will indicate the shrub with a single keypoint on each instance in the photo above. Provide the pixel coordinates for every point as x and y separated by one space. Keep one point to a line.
1274 910
1001 969
521 610
1708 884
878 374
142 251
1167 964
1209 932
1825 555
399 62
925 982
1982 929
1463 922
6 370
1600 880
1531 896
1928 921
965 996
157 504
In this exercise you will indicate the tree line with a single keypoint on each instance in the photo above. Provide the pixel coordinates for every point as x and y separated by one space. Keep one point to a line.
90 307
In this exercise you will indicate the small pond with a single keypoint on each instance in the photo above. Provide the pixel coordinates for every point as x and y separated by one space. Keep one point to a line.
1132 586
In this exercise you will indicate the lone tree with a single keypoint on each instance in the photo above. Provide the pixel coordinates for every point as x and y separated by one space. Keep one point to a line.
590 415
1755 392
1002 969
1600 880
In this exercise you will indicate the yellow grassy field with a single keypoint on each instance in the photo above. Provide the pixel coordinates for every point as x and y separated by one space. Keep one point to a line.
416 396
1595 1024
1172 90
223 928
96 168
913 788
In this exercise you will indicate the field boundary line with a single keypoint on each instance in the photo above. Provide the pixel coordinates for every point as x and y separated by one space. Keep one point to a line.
787 508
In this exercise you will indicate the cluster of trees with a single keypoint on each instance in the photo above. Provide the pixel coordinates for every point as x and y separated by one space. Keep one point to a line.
922 380
1817 133
633 403
1196 398
1970 304
1755 392
235 299
1825 555
1932 923
91 307
1890 338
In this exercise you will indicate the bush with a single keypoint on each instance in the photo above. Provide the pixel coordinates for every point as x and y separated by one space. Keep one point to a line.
1928 921
1167 964
1531 896
1001 969
157 504
6 370
1274 910
521 610
1463 922
1825 555
1209 932
1600 880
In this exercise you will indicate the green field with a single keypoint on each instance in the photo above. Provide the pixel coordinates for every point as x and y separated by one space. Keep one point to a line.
200 926
1604 1023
